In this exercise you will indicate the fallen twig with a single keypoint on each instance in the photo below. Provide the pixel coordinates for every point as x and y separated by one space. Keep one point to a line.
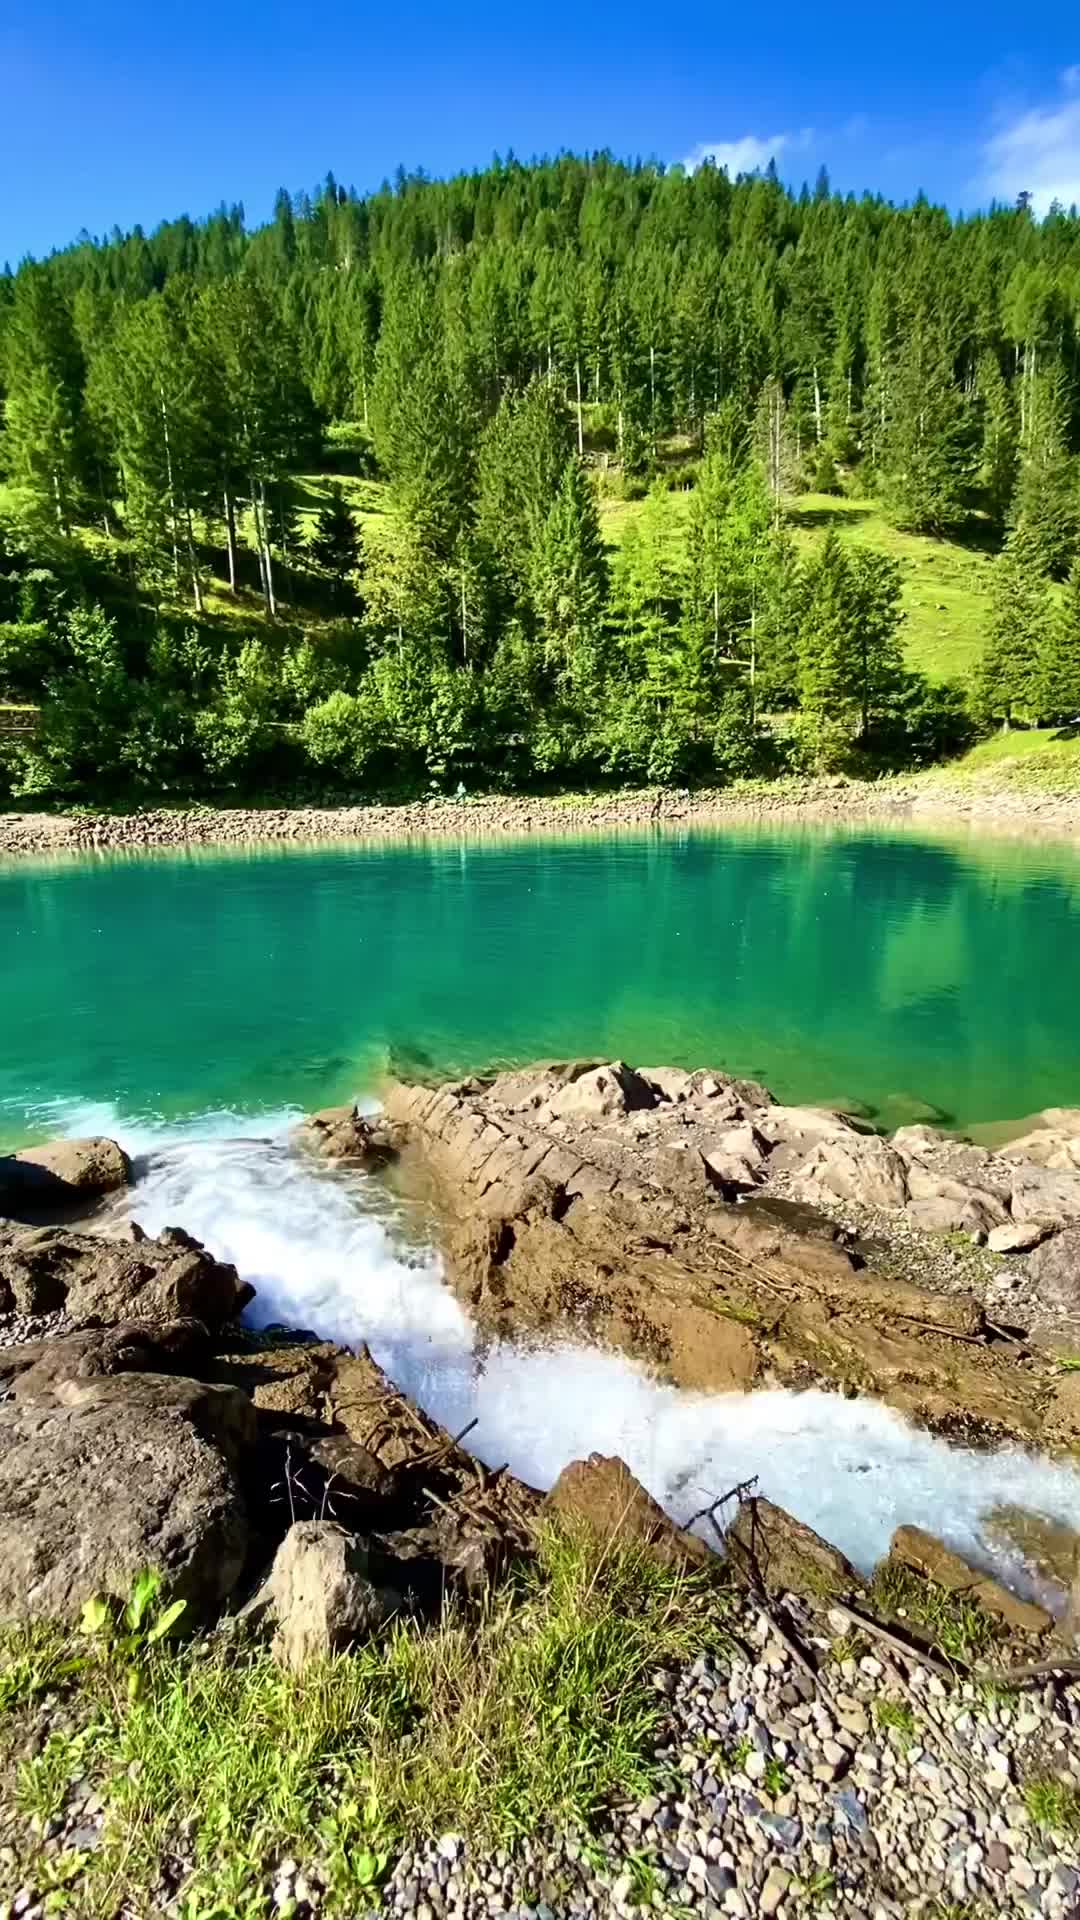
867 1624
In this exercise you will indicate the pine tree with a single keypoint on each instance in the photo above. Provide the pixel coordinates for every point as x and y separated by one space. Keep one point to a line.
1059 657
1045 510
43 447
571 580
925 458
335 546
998 460
1007 683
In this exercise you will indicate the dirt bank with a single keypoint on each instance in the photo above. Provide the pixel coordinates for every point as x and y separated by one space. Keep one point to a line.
929 800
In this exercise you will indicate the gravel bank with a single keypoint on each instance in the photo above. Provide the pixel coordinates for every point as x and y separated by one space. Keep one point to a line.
880 1790
814 801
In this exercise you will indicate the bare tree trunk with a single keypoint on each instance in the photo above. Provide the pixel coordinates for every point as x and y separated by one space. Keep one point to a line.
61 517
817 407
580 427
196 583
171 486
230 536
271 604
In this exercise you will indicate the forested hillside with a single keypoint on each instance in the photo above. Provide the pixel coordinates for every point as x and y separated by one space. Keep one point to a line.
502 479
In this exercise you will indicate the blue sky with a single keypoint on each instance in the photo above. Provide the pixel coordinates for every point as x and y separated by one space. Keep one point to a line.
133 111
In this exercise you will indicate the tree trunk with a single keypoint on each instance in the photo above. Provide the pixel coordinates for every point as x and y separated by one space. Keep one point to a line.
171 487
271 604
196 583
817 407
580 427
230 536
61 517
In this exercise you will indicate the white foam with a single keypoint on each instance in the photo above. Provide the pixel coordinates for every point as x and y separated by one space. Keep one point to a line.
331 1252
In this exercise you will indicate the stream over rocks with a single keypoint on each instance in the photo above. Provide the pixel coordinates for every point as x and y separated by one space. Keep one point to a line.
338 1252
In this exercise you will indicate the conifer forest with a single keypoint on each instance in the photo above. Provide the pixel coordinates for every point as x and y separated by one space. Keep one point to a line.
532 476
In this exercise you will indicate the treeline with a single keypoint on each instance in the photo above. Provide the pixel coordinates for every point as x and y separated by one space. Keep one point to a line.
505 342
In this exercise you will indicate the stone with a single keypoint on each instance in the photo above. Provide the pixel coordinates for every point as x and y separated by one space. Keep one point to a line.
925 1554
859 1167
602 1495
773 1893
61 1179
770 1545
601 1093
347 1137
120 1478
322 1597
100 1282
1053 1272
166 1346
1016 1236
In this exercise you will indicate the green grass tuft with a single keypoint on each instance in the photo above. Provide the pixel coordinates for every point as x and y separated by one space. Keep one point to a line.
1054 1807
959 1628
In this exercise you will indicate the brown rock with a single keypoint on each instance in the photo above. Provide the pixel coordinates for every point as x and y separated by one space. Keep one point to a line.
927 1555
343 1135
99 1282
770 1548
601 1495
135 1347
62 1178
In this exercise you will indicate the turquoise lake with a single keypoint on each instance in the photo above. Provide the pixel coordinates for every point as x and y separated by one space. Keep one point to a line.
902 973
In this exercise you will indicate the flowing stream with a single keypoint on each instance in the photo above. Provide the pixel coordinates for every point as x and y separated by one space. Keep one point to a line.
338 1254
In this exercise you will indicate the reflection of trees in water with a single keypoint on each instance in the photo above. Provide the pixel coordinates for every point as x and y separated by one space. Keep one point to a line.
834 965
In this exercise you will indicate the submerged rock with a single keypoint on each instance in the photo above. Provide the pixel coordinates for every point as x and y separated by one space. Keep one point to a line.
925 1554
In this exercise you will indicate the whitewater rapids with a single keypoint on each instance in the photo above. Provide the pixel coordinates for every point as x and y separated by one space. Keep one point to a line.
335 1253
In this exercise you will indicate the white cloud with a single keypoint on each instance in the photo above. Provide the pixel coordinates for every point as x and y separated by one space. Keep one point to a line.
751 153
1037 151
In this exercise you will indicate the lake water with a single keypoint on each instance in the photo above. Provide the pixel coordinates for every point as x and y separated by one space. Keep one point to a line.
897 972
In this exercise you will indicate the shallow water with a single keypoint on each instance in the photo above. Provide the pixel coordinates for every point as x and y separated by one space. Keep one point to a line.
877 967
335 1253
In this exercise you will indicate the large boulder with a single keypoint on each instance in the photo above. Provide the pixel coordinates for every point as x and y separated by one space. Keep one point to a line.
62 1178
322 1597
106 1477
925 1554
769 1548
601 1496
99 1282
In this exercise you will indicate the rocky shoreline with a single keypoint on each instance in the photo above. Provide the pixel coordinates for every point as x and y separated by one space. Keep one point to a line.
929 801
871 1746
